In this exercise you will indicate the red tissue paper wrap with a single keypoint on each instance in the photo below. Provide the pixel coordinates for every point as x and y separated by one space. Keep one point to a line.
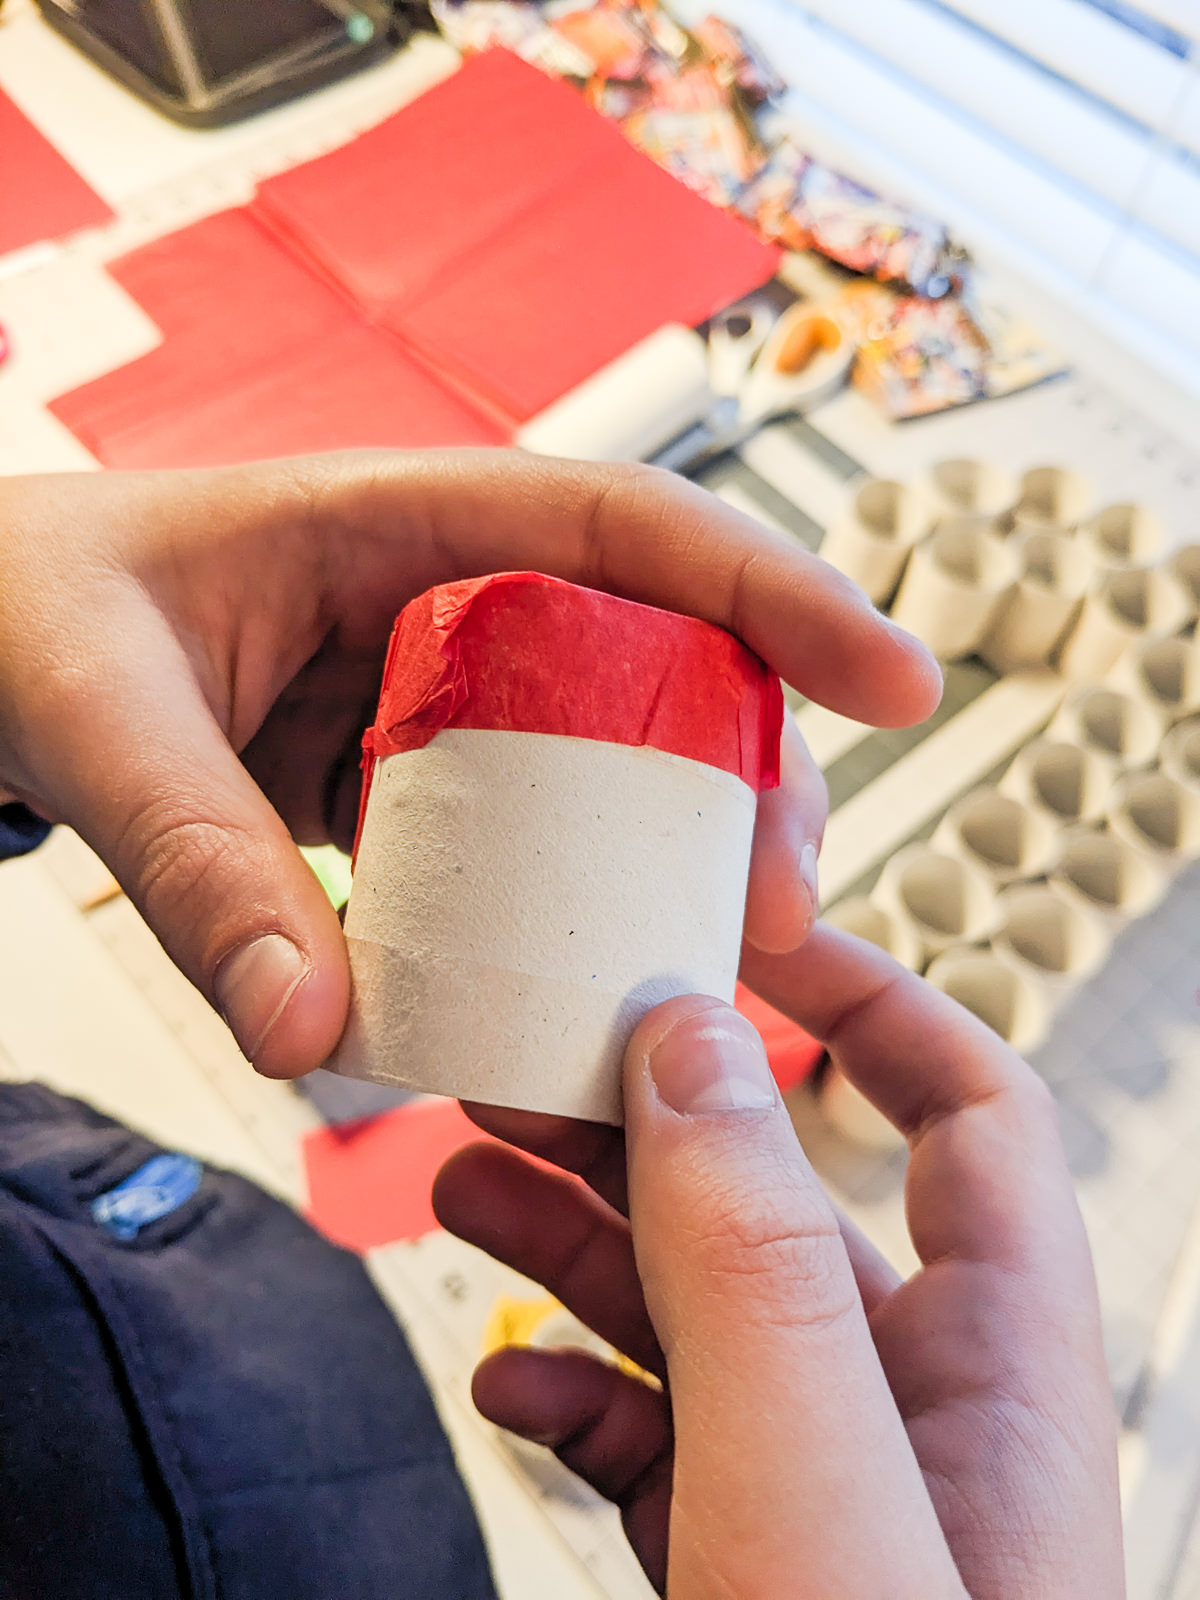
528 653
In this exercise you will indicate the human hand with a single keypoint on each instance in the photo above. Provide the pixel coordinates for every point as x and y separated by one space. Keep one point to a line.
827 1432
188 660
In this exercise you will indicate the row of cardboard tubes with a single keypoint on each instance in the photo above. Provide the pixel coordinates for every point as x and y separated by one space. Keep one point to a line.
1016 900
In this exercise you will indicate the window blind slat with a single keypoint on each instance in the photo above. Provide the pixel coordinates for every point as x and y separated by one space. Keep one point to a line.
1155 287
1087 47
1066 131
1182 15
871 100
1168 203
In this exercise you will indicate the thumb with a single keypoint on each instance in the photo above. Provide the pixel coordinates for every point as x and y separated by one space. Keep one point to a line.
793 1472
146 776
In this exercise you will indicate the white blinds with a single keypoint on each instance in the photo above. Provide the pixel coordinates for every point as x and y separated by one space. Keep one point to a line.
1066 133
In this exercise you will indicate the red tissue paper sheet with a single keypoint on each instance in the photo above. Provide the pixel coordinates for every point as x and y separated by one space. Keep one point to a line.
369 1181
41 194
512 235
440 279
792 1053
261 357
534 654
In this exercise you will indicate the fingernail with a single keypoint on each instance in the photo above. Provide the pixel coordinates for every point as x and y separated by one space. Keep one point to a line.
808 875
712 1061
254 984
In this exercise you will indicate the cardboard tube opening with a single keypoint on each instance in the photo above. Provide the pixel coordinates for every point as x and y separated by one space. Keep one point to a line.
1154 812
1055 495
851 1114
1068 781
872 540
866 920
1184 567
965 486
1000 834
1169 671
972 557
1103 874
1056 563
999 996
1125 727
891 510
1049 935
949 901
1145 600
1125 535
953 587
1036 612
1181 754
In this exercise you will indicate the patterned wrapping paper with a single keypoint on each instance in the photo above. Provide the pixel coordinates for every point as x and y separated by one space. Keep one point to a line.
691 99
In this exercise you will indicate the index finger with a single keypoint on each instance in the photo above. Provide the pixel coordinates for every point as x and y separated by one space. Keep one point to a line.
988 1180
637 532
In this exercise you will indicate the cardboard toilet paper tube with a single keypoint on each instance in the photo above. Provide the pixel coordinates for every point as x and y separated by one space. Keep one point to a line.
1052 497
1124 536
963 487
1000 835
871 541
1165 673
1181 753
946 901
1036 612
557 815
1184 567
632 407
1127 729
1127 607
1156 815
848 1110
1099 874
859 915
1042 604
1070 783
952 587
1048 939
1010 1004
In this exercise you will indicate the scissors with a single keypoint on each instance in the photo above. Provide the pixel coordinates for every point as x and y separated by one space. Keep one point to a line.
760 367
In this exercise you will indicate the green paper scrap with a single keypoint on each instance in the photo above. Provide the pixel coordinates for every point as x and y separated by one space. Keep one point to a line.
332 867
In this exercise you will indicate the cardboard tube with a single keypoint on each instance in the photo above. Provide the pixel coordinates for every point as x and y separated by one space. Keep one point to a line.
1124 536
851 1114
1128 729
1165 673
559 798
1070 783
1041 605
860 916
1157 816
946 901
1048 939
1100 874
1181 754
1052 497
522 899
953 586
872 540
1000 835
632 407
963 487
1128 606
1010 1004
1184 567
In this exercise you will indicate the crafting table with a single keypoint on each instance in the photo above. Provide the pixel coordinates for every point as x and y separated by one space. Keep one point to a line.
1123 1059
